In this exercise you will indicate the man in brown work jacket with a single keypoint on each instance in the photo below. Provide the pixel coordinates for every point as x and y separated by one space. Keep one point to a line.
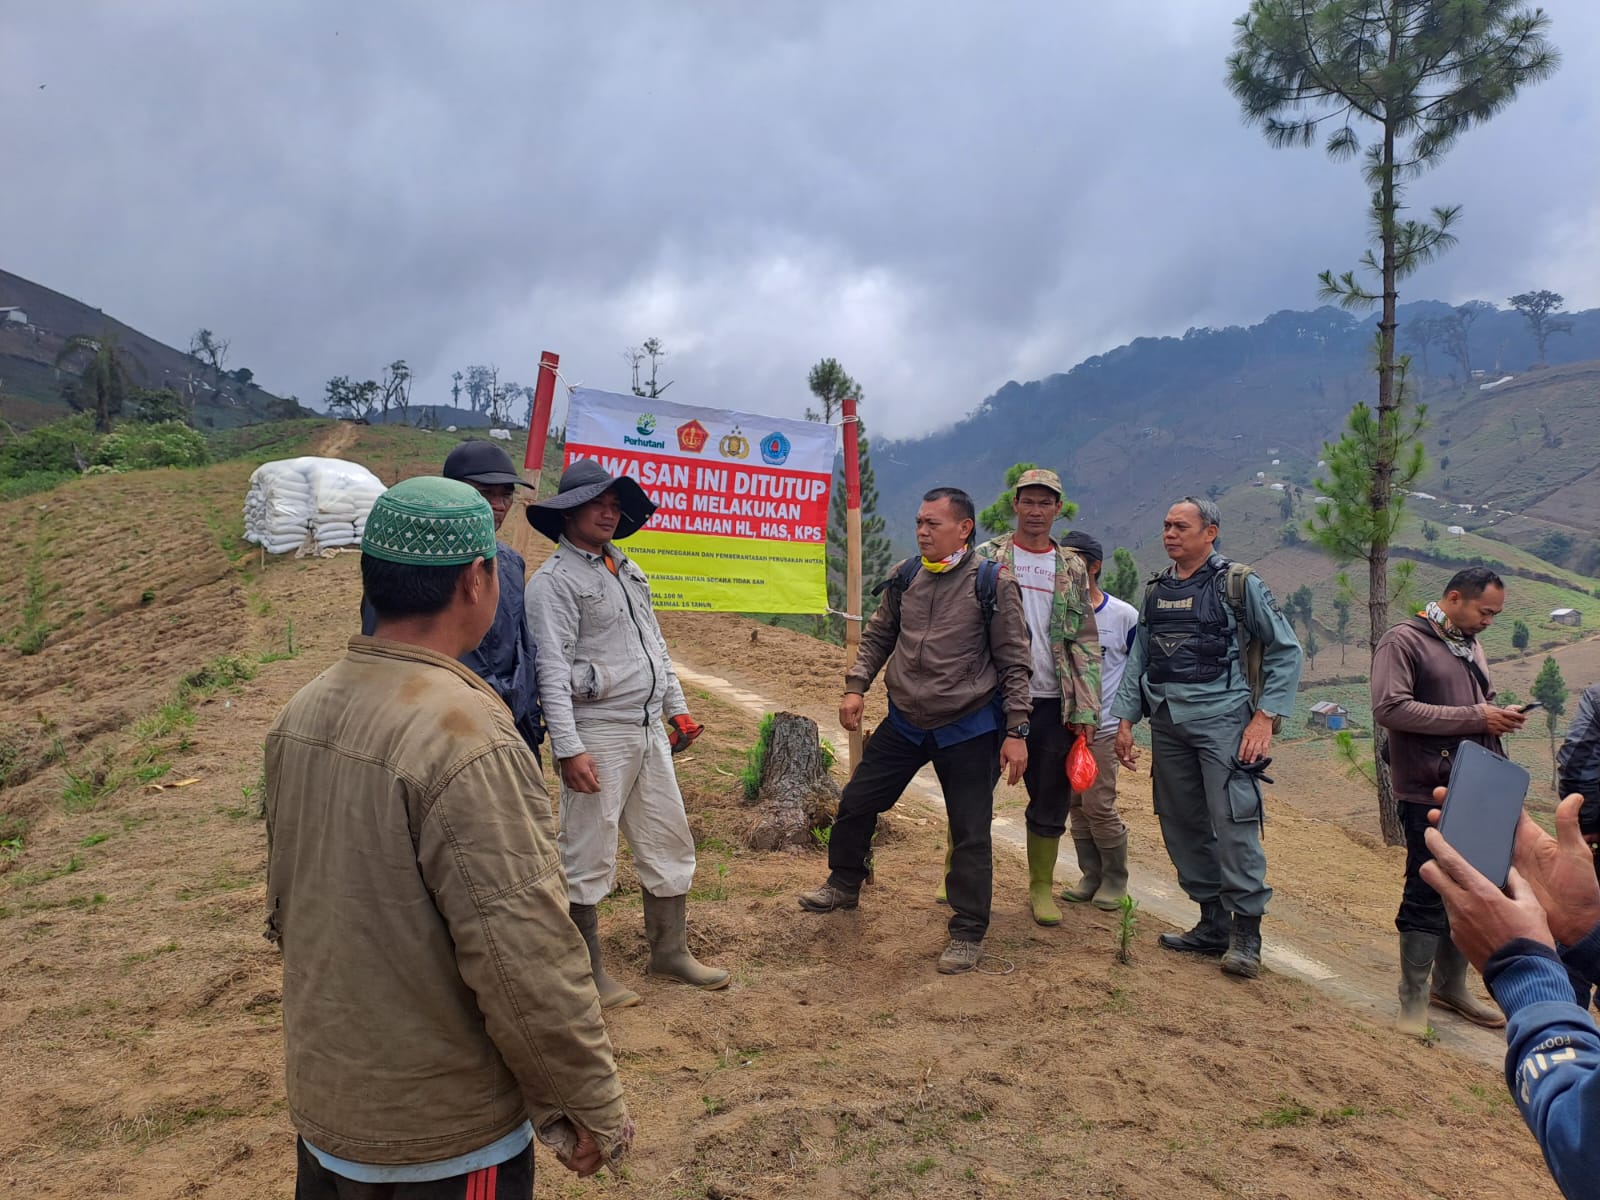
952 641
1431 691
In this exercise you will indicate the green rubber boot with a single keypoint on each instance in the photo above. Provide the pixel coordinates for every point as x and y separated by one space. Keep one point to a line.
1089 868
940 897
1114 875
1041 878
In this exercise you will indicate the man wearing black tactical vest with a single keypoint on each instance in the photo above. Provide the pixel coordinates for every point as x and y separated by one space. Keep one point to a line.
1187 672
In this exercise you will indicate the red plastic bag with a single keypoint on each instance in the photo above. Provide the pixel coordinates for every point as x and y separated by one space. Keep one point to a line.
1082 770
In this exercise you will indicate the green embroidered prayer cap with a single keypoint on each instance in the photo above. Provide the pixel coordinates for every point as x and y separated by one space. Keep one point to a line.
430 522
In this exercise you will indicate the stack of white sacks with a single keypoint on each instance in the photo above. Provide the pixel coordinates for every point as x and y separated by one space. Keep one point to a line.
318 503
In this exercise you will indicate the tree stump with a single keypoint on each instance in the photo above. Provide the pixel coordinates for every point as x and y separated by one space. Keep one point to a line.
797 794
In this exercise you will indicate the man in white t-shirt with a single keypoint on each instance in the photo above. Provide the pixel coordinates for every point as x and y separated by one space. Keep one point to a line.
1065 683
1097 829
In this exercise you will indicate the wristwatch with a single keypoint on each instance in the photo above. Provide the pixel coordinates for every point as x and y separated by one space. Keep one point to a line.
1018 731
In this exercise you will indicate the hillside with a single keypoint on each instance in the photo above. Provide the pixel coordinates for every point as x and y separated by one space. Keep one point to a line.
30 385
142 1009
1133 428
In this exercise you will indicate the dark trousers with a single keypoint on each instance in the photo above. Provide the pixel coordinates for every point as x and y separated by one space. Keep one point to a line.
968 772
1049 793
510 1180
1421 910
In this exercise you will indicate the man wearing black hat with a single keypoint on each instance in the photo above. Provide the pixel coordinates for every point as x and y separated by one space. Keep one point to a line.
606 683
505 658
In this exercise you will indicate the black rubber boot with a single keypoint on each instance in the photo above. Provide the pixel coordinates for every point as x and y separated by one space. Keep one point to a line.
1244 947
612 993
1209 936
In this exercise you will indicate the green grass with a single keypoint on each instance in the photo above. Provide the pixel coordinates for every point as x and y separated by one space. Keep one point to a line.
756 759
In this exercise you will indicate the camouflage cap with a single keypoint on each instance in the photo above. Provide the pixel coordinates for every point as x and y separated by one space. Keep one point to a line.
1039 477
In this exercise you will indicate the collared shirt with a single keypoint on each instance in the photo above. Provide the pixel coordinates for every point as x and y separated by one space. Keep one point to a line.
964 729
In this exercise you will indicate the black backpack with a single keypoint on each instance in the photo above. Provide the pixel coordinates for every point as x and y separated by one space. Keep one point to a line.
988 584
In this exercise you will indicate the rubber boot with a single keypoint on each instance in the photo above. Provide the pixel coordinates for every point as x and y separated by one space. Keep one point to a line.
1417 952
612 993
1041 878
940 897
1114 874
667 930
1089 873
1244 947
1450 988
1210 935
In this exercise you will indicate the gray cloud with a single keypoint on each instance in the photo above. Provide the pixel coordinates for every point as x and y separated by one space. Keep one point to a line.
943 197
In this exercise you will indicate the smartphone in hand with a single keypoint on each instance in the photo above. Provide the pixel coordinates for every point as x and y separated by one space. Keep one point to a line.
1481 808
1531 706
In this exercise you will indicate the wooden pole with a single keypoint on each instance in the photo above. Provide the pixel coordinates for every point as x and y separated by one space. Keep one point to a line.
516 531
852 578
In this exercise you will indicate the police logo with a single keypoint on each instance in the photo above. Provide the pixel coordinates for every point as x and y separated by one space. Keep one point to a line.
774 449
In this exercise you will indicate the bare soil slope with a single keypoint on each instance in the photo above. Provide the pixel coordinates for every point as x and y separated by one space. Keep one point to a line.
140 1006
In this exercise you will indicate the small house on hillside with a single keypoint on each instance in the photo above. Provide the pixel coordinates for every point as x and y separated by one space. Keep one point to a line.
15 315
1328 715
1455 530
1566 616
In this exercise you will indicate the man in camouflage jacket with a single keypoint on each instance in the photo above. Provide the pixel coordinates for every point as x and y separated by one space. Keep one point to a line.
1066 670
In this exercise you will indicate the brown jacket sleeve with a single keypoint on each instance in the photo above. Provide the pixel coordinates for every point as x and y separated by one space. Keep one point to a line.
877 643
492 866
1394 702
1011 649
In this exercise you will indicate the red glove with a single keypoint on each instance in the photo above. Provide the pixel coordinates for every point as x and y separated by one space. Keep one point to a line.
681 730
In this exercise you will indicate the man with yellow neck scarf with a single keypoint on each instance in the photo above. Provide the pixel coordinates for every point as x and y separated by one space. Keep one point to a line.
957 667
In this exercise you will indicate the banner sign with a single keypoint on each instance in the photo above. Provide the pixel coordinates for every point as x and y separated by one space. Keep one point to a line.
742 517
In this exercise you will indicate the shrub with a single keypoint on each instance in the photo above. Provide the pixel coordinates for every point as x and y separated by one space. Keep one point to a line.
139 447
59 448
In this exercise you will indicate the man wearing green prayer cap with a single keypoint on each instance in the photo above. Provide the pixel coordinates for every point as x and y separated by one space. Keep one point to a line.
438 1005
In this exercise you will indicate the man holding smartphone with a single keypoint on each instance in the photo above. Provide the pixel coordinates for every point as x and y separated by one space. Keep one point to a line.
1431 690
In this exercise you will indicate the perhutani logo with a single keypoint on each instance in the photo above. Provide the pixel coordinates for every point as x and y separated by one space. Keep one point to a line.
645 443
646 425
775 449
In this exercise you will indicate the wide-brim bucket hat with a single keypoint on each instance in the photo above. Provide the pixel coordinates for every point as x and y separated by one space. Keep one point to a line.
581 483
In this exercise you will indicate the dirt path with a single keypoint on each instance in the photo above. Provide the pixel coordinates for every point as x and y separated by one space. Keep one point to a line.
1299 941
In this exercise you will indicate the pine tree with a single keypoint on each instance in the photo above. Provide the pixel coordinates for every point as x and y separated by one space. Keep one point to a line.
1001 516
1423 72
1550 690
1122 581
831 384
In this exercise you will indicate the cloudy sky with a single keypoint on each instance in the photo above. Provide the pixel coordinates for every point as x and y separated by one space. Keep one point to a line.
943 196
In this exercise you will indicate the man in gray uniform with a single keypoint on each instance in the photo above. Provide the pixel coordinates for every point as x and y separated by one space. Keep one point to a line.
1187 672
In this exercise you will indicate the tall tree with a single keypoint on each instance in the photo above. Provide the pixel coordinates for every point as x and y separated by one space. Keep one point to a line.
830 383
655 351
1341 623
1550 690
1456 333
1422 72
1122 581
1422 332
351 399
1536 308
103 370
396 389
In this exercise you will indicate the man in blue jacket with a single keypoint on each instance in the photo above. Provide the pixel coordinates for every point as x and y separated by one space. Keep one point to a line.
505 658
1552 1045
